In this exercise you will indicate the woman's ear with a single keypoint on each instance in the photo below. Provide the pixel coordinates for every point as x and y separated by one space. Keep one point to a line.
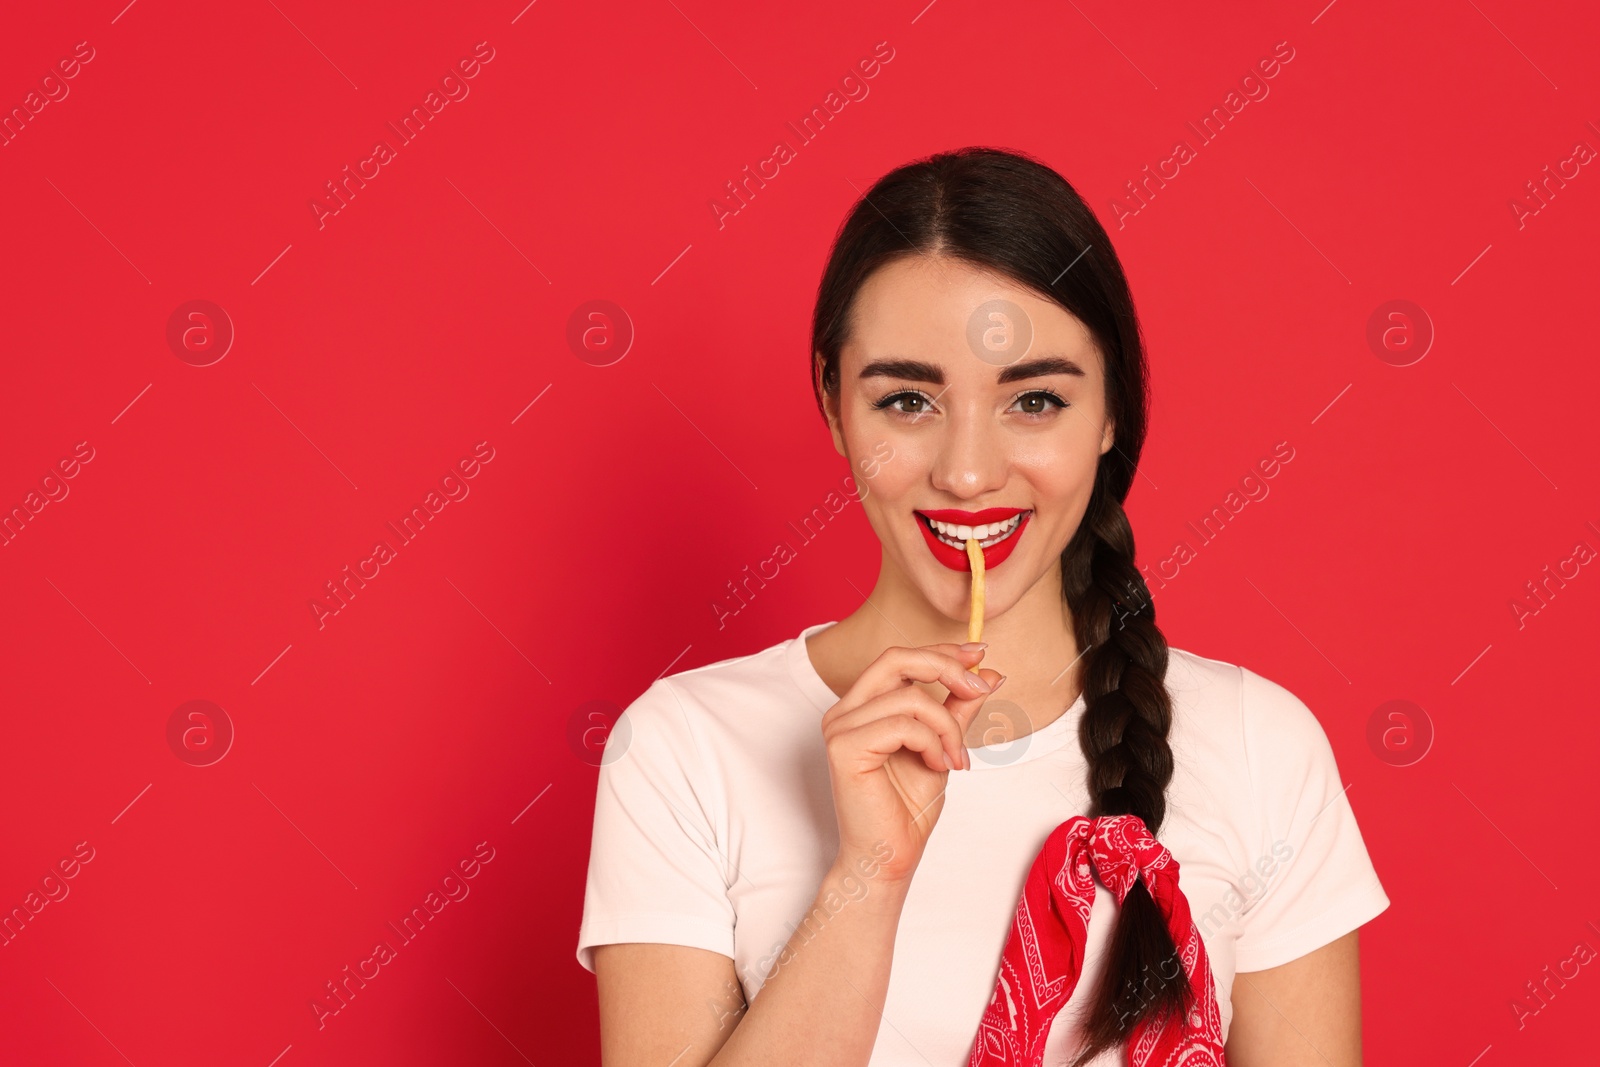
1108 436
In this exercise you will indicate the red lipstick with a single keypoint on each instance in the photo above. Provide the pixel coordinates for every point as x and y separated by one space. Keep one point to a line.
956 558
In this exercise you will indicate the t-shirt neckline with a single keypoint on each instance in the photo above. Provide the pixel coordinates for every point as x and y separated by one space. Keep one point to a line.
996 757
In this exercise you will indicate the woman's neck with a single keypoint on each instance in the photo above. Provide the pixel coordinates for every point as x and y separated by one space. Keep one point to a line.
1032 644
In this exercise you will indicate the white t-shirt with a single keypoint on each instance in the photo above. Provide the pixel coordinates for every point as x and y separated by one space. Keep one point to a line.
714 826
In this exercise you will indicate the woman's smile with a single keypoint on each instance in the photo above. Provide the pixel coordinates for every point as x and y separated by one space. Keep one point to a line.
997 531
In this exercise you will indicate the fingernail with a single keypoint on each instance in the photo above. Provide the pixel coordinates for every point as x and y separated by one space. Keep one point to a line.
1001 682
982 683
974 646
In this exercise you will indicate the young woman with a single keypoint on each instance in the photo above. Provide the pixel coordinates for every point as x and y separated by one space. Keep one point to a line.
813 854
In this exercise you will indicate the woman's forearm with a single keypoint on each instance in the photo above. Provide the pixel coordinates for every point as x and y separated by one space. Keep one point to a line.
824 1002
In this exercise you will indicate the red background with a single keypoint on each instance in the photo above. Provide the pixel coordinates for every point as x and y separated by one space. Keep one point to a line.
374 752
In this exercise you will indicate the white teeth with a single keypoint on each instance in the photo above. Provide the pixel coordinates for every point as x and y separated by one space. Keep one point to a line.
990 534
979 532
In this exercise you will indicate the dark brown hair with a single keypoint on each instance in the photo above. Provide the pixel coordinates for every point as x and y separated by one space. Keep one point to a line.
1007 213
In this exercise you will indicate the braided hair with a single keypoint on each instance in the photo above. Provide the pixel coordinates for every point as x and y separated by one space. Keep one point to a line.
1011 214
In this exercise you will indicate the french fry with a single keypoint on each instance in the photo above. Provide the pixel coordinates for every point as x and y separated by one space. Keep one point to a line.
975 620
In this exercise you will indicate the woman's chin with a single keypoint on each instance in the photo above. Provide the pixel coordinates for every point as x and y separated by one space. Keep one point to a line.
948 592
953 599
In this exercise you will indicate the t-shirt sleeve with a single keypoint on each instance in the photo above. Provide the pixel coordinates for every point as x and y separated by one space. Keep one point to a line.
1317 881
656 869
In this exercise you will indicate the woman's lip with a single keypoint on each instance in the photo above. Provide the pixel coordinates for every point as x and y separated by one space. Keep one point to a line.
956 559
972 518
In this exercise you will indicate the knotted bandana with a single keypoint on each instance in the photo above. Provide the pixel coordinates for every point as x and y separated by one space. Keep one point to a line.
1044 952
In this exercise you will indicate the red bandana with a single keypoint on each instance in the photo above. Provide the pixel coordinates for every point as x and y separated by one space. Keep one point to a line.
1044 952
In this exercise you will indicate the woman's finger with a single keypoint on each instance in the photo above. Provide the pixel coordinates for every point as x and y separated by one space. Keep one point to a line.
899 666
869 746
920 706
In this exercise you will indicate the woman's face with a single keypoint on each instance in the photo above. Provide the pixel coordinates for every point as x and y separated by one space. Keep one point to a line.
947 405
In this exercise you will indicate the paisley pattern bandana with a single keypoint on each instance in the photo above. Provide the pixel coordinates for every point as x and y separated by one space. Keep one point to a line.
1044 952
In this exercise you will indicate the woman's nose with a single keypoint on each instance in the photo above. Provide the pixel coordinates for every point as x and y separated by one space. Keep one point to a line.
972 458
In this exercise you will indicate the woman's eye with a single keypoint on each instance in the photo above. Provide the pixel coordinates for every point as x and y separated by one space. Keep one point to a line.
1043 397
895 401
1036 402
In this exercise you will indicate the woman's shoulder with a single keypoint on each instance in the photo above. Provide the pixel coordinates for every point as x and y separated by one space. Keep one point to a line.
736 689
1216 694
728 726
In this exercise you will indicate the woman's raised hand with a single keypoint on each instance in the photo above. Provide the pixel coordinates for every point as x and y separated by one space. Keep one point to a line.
890 746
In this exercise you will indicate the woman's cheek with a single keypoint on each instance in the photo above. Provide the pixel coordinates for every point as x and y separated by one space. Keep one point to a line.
897 481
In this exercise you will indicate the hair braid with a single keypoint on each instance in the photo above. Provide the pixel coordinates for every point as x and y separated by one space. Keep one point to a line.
1123 732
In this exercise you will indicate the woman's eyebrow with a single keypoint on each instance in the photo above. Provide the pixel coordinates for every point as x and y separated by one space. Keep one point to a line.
1040 368
912 370
916 370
